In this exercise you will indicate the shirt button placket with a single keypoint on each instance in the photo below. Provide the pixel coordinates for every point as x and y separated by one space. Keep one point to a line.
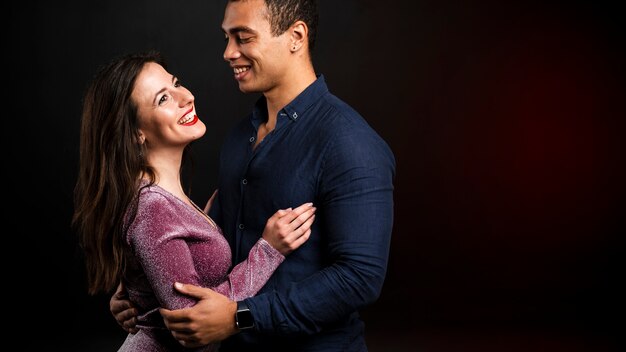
244 181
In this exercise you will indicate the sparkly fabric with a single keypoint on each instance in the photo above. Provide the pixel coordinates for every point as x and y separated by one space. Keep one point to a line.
172 241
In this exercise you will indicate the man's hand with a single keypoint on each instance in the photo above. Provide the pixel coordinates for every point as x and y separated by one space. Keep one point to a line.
123 310
211 319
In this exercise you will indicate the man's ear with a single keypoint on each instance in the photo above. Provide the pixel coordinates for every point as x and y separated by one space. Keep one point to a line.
299 33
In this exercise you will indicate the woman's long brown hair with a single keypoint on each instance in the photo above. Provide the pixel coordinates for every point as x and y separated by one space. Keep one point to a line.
110 164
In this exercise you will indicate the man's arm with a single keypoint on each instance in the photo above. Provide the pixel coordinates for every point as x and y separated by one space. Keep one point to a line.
357 216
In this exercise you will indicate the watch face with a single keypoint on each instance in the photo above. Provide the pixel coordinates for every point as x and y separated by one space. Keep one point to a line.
244 319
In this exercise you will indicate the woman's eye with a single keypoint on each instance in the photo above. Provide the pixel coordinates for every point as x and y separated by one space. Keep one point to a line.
177 84
163 99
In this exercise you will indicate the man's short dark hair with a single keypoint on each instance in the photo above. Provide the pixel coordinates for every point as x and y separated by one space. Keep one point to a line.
284 13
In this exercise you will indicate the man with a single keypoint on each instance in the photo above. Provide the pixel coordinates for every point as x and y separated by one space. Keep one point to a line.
300 143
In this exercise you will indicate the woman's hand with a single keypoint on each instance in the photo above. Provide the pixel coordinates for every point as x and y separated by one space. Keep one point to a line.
289 228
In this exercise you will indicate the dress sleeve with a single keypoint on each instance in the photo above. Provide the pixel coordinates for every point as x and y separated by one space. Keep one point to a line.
157 237
249 276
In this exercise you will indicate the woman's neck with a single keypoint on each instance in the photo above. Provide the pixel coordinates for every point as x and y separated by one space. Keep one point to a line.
167 170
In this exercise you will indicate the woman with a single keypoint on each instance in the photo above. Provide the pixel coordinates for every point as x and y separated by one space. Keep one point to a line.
135 222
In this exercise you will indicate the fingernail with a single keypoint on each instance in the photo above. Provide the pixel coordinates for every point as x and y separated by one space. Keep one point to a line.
309 204
178 285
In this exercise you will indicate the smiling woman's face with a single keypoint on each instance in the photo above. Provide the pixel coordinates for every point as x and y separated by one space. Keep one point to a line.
165 109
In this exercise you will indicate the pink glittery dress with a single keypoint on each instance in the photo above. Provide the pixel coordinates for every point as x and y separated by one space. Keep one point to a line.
172 241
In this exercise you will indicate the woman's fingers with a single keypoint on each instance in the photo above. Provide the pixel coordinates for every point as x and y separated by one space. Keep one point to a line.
294 239
300 240
295 218
289 228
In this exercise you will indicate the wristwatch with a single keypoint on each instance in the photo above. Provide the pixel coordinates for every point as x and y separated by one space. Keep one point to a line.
243 317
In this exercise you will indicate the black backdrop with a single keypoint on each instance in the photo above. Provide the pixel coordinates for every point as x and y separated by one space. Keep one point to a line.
506 119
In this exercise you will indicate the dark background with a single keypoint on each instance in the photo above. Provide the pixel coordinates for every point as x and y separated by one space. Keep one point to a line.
506 119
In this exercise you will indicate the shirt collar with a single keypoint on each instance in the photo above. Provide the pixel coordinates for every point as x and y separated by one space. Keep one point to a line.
295 109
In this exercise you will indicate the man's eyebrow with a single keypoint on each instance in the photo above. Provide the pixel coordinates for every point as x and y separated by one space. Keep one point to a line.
240 29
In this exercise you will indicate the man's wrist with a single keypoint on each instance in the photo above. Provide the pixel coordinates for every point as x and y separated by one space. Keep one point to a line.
243 316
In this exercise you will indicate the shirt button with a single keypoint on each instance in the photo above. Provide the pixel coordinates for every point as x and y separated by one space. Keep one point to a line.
251 139
241 226
244 181
295 115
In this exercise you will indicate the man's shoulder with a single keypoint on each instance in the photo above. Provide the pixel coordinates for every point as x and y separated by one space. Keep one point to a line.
342 117
333 104
350 130
336 114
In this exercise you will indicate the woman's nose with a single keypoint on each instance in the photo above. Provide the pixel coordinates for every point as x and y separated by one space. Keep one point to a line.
185 97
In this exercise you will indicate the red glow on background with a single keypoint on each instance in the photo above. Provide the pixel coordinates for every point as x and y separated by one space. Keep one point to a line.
543 145
510 214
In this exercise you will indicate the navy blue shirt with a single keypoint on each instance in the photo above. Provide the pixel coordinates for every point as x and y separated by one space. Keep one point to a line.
320 151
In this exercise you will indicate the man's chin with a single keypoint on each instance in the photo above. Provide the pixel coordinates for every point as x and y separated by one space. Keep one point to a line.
246 89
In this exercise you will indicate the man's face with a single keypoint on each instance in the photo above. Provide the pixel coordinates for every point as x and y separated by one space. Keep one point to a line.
258 58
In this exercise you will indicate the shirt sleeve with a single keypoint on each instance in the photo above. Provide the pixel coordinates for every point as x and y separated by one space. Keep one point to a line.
356 217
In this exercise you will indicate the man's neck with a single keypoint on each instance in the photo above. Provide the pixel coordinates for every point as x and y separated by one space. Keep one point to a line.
283 94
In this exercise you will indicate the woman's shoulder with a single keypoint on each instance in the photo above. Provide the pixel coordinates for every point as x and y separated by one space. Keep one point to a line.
151 195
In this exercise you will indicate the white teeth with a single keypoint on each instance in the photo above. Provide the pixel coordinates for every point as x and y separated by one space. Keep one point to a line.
186 118
238 70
